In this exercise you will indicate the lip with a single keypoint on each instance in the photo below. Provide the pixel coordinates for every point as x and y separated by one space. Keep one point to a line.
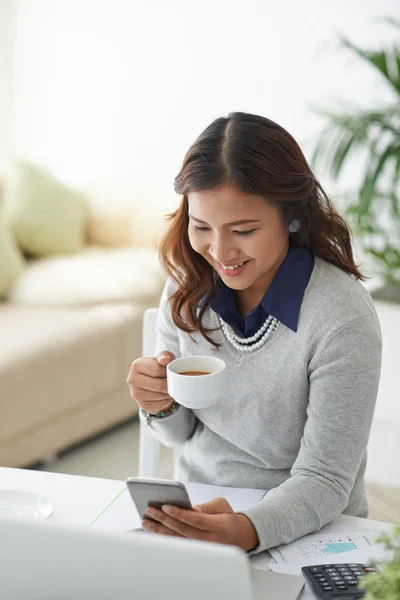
235 273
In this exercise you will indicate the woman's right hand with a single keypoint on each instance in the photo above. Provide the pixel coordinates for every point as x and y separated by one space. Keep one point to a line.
148 384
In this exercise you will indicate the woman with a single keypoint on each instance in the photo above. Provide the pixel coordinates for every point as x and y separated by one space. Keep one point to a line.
262 275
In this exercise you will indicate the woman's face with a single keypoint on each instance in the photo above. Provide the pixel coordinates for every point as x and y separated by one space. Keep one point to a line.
242 236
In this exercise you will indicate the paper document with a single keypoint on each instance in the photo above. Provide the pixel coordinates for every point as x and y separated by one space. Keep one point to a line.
371 554
121 513
325 547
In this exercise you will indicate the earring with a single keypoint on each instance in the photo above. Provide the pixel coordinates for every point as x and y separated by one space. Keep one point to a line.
294 226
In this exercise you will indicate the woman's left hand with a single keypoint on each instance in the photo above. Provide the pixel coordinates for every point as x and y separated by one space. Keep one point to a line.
214 521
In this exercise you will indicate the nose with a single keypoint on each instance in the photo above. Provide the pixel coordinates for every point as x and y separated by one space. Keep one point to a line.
222 249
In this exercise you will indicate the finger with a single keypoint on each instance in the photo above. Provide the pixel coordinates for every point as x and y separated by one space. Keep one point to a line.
194 519
215 506
178 526
151 384
147 366
165 357
159 528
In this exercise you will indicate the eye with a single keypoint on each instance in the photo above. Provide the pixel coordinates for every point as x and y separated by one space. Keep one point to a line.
245 232
197 228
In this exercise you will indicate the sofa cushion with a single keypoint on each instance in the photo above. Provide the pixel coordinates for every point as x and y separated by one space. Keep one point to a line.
52 362
93 276
11 260
46 216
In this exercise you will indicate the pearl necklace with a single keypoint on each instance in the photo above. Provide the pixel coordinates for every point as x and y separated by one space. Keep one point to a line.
257 340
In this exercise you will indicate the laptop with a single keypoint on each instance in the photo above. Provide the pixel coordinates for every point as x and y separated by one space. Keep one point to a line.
42 560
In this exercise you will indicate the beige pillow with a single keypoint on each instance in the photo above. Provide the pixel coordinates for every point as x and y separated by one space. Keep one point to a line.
46 216
11 260
94 276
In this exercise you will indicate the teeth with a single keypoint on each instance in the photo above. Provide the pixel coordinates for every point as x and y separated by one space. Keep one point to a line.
233 267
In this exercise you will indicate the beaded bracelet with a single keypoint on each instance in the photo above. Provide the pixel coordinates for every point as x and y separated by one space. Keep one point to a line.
162 413
167 413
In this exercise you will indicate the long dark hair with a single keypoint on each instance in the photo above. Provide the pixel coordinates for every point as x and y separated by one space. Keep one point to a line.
259 157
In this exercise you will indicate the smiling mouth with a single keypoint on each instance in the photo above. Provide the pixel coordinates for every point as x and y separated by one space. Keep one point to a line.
233 270
233 267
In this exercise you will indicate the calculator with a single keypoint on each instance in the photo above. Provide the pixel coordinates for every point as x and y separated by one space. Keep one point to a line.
337 580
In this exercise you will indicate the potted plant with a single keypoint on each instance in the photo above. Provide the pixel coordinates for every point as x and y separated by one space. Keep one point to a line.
374 136
385 585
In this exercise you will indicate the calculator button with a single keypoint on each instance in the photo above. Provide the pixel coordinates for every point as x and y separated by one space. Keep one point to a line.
369 570
315 570
352 582
327 588
341 586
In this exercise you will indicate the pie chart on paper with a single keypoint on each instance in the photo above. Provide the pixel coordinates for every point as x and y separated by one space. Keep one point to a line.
316 547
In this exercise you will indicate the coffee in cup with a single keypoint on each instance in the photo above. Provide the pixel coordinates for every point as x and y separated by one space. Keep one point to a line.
194 373
208 387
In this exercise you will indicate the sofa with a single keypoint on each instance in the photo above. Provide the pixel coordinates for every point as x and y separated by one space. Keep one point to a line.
70 326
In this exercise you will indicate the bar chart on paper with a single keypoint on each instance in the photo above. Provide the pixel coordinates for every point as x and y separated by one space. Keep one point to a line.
331 547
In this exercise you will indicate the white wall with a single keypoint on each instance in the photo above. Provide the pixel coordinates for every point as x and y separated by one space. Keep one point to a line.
5 81
384 445
110 93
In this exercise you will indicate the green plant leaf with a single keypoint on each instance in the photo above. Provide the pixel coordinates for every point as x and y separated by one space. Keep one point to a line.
347 134
341 152
375 171
386 62
360 123
385 584
389 21
374 134
395 211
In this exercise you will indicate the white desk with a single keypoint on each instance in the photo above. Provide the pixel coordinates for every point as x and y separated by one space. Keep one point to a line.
79 500
75 499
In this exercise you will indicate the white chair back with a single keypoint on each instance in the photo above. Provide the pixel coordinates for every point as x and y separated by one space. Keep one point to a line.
149 447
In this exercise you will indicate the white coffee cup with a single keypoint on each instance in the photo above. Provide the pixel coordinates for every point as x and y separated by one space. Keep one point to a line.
196 391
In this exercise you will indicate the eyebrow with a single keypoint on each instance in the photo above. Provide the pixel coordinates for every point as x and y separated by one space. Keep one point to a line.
242 222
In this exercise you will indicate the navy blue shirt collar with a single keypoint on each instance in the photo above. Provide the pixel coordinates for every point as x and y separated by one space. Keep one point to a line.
282 300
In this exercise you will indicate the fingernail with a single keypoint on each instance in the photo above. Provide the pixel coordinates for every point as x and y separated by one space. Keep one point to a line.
167 509
150 512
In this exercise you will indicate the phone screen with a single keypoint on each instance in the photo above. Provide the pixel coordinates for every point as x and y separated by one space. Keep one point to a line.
156 493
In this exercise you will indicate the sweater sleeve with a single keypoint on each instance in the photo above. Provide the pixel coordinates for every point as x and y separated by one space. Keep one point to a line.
344 378
177 428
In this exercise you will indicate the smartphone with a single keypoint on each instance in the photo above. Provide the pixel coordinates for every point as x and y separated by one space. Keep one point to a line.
157 492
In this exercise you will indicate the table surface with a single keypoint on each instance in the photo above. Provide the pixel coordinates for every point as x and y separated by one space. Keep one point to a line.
79 500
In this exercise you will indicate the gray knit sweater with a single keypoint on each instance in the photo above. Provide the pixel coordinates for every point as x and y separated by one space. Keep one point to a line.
297 412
